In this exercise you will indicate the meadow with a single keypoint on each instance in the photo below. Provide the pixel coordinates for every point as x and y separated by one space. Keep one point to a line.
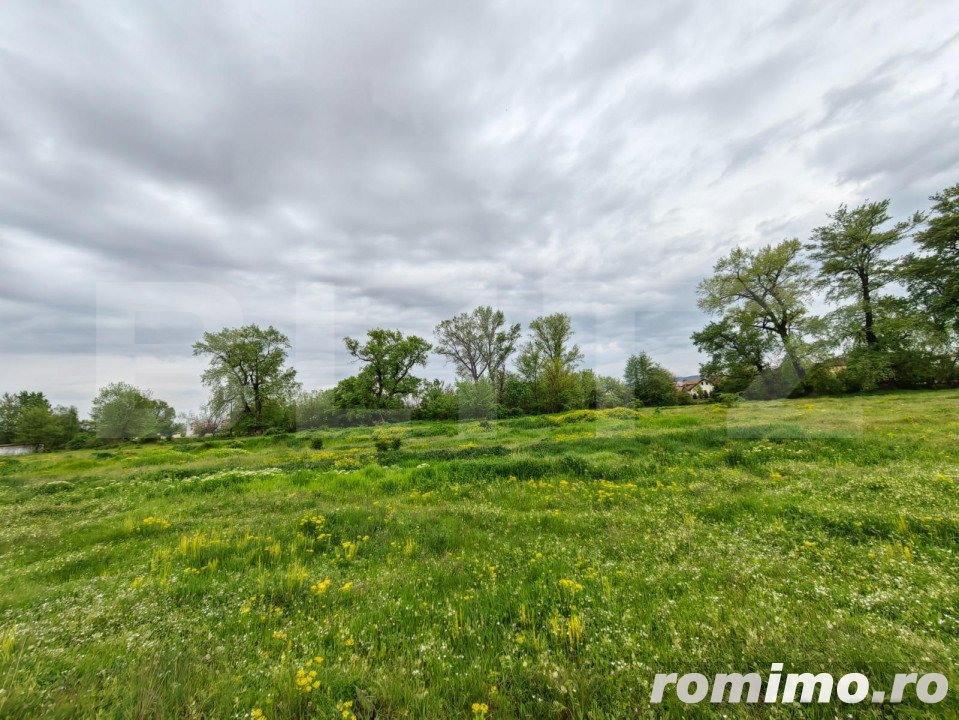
539 567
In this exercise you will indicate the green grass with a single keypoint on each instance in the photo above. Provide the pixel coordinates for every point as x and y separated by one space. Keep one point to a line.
548 567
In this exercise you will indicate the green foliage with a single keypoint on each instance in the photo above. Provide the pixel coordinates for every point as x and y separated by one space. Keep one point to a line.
246 374
851 252
386 439
548 361
737 353
931 273
385 380
476 399
316 409
478 344
649 383
11 408
38 426
316 442
766 290
437 401
121 411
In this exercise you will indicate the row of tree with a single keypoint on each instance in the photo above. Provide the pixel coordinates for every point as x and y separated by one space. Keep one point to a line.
119 411
252 389
894 319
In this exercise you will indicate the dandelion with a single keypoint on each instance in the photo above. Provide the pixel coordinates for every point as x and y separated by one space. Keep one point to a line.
257 714
306 680
480 710
346 710
347 586
320 586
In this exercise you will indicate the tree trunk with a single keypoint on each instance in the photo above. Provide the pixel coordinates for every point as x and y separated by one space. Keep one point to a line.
868 324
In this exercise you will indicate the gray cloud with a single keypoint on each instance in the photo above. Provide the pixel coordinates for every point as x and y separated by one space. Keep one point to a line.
167 167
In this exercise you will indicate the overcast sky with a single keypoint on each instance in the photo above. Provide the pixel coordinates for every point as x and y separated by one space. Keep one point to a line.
169 167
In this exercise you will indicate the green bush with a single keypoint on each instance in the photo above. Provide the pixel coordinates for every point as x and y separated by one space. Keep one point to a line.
385 439
727 399
316 443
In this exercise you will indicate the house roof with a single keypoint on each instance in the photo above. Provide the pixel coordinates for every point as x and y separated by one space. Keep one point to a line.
692 383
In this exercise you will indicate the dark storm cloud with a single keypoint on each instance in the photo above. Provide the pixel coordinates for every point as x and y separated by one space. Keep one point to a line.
166 168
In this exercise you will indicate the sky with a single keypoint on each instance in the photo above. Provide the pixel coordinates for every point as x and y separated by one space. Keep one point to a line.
177 167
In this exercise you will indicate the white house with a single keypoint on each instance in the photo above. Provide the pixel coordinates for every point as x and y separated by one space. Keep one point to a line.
697 387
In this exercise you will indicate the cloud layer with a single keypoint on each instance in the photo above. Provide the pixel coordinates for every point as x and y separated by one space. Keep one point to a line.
327 168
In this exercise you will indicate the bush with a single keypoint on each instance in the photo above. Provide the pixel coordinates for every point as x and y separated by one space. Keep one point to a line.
387 439
316 443
727 399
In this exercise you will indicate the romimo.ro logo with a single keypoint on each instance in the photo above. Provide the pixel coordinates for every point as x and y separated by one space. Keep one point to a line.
805 687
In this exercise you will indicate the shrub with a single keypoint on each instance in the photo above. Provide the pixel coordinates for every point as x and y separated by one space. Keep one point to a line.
316 443
387 439
727 399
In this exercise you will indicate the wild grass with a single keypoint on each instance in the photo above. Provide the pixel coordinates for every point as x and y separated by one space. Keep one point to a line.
542 567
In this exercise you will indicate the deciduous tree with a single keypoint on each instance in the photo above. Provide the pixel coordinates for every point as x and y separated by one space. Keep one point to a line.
853 264
766 289
247 371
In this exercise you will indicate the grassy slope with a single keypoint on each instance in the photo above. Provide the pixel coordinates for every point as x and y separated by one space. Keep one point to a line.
547 567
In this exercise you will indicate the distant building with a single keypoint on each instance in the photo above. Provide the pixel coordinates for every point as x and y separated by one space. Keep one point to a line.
17 449
697 387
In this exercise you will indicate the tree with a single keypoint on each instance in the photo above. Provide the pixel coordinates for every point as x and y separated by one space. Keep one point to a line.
611 392
385 380
765 289
12 406
122 411
932 275
479 343
549 359
737 354
437 401
37 425
475 399
850 252
650 383
246 374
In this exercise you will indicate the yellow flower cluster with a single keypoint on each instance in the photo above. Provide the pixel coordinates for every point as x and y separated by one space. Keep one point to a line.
159 522
480 710
257 714
312 524
320 586
571 585
306 680
346 710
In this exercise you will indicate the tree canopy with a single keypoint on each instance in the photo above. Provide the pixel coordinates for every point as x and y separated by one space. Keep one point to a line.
385 379
764 289
851 252
122 411
247 372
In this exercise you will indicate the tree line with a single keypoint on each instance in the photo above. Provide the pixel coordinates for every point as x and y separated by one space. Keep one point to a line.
893 322
893 319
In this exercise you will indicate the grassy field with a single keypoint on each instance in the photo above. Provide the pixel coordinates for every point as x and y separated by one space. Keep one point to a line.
543 567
